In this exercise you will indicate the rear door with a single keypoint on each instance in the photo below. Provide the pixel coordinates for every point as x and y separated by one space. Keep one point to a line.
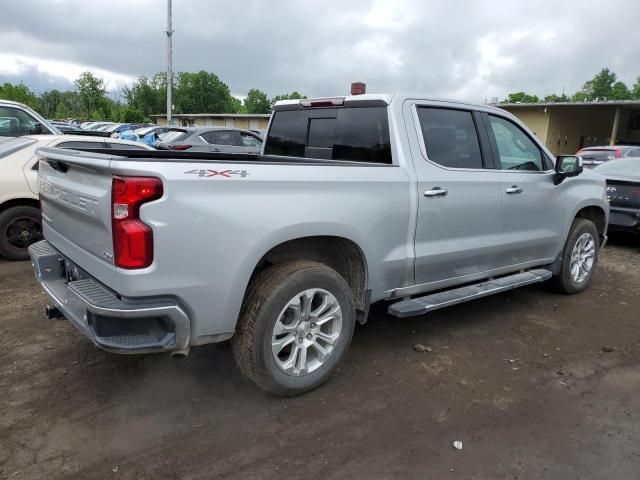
459 195
533 212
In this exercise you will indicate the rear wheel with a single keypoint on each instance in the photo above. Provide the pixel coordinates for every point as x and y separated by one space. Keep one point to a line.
579 257
295 326
19 227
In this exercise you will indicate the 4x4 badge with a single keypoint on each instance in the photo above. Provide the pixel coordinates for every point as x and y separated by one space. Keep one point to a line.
217 173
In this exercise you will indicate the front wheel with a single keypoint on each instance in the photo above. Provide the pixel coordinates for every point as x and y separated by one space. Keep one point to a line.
295 326
579 257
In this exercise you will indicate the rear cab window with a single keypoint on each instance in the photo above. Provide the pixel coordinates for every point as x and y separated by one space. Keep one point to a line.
358 134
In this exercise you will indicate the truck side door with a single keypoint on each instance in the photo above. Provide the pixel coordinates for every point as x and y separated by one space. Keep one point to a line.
459 196
533 217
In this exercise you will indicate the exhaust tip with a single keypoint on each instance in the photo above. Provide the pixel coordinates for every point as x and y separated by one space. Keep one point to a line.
52 312
177 354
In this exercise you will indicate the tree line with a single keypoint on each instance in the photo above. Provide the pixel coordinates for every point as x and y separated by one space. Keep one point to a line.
603 86
193 92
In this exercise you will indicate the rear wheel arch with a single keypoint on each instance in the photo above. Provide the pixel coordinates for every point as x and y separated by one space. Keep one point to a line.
338 253
19 202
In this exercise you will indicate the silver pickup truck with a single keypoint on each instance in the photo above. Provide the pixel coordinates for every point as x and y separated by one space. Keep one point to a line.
354 200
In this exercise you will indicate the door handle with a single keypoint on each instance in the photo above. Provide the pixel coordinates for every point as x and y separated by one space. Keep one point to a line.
514 189
436 192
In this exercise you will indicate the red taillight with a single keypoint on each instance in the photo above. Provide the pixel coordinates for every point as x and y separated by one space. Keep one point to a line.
618 153
179 147
132 239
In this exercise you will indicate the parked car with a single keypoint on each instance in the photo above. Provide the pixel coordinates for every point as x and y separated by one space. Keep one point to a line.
97 126
149 135
594 156
20 223
212 139
17 119
356 199
623 192
67 127
124 127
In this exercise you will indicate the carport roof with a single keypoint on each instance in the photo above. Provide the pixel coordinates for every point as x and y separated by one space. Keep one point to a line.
628 103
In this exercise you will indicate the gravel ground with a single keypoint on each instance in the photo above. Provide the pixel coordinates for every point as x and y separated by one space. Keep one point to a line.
535 385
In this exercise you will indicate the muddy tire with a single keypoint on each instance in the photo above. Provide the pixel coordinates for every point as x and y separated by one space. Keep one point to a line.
19 227
579 257
295 327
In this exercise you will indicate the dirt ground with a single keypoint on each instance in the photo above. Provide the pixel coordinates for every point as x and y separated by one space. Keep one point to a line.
535 385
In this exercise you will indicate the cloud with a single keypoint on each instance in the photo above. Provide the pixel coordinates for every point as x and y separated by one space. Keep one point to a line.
469 49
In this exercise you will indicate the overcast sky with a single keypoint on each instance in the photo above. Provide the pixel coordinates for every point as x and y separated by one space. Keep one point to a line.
466 49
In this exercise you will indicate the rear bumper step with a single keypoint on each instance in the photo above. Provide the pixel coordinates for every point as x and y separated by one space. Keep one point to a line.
421 305
112 323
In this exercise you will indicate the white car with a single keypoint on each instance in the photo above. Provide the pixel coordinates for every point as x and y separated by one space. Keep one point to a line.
20 223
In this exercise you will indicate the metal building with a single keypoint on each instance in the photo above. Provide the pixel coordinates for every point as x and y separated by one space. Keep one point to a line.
567 127
248 121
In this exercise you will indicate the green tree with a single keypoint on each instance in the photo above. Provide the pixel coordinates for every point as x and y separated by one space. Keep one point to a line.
48 103
236 105
18 93
600 86
553 98
201 92
287 96
131 114
635 90
619 91
522 97
92 95
257 102
148 95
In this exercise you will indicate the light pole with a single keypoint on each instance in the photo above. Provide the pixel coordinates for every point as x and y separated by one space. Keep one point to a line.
169 62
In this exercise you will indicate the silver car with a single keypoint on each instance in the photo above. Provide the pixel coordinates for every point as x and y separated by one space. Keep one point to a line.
594 156
211 139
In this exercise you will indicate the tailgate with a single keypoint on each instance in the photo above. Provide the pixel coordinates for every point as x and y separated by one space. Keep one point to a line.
75 197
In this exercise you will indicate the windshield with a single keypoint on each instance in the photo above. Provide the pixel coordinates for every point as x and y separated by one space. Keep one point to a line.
143 131
599 154
624 167
173 136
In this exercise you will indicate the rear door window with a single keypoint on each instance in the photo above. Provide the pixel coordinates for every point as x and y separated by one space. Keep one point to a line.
359 134
450 137
223 137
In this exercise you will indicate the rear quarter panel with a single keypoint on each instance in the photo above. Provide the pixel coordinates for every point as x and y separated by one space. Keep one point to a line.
212 228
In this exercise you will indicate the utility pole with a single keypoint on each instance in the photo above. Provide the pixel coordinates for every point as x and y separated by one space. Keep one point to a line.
169 62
